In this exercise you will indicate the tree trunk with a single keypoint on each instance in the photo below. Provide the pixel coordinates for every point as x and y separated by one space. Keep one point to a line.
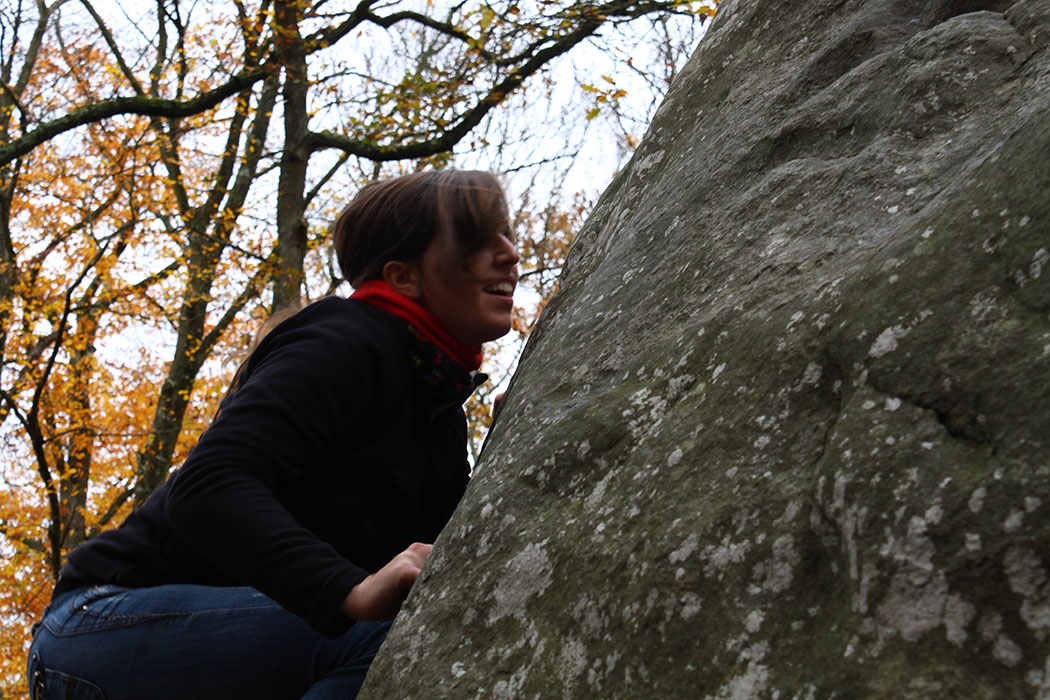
291 203
155 456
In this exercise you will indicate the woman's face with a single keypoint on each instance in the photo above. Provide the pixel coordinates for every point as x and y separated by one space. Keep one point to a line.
472 296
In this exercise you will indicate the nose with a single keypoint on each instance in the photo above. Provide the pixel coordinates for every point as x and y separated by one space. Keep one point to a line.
507 254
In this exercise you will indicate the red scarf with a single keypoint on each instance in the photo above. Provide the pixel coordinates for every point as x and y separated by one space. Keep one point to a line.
383 296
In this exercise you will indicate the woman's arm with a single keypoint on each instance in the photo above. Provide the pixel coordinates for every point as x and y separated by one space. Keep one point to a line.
303 402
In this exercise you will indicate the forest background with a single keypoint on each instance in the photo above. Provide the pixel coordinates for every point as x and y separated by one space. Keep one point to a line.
167 176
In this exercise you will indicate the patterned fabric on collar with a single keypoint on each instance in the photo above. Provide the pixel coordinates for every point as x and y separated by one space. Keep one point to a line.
448 383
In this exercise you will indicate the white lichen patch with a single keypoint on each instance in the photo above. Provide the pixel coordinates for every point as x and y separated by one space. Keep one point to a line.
510 688
1039 260
766 422
812 374
983 307
677 386
977 499
690 603
686 550
722 555
1035 269
851 521
594 499
651 160
911 610
753 683
1028 579
526 575
1006 651
572 661
868 573
1039 679
587 614
1013 521
776 573
917 598
789 514
887 341
645 413
958 614
1036 614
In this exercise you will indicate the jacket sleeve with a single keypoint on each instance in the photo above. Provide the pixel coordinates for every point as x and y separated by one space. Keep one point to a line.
304 391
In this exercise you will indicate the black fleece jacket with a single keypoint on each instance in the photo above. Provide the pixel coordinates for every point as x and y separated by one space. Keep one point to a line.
344 443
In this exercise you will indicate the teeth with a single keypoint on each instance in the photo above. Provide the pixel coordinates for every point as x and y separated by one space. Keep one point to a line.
502 288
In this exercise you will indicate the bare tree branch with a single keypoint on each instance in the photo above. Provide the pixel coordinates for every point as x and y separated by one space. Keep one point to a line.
141 106
111 42
591 19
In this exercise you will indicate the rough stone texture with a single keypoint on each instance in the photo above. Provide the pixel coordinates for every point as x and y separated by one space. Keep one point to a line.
785 431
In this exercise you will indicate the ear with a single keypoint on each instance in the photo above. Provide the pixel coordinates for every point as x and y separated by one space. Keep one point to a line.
404 278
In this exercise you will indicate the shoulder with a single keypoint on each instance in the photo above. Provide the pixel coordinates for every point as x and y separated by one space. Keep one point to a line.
329 341
335 324
305 370
338 314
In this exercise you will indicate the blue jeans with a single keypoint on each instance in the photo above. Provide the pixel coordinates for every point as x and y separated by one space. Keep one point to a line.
183 641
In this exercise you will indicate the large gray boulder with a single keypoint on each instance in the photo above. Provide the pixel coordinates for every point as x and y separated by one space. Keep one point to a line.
785 430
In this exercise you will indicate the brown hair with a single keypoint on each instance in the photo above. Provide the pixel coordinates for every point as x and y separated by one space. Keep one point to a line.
396 219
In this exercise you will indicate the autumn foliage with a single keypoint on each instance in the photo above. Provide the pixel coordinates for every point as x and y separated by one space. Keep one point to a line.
166 180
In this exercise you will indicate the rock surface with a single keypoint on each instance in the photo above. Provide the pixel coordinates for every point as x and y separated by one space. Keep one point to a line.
785 431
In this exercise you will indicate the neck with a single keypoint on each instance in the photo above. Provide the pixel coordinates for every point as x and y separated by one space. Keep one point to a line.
382 295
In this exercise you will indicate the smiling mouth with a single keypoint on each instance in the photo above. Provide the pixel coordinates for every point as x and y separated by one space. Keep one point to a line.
503 289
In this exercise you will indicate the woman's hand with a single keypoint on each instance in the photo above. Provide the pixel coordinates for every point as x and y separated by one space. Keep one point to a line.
380 595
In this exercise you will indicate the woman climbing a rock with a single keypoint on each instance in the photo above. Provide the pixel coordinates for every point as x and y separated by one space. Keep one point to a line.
270 563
